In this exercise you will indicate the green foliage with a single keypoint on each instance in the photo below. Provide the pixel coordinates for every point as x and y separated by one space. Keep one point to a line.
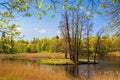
27 15
52 15
90 16
64 7
28 49
39 15
102 52
114 1
49 7
65 1
41 4
98 12
102 6
87 9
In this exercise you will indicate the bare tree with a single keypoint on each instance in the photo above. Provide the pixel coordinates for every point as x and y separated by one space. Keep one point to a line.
88 30
99 34
71 28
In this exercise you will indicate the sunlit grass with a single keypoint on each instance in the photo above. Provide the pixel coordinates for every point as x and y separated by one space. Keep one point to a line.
107 75
64 61
22 71
32 55
17 71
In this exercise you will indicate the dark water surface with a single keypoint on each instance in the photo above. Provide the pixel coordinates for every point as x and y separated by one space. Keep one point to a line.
108 66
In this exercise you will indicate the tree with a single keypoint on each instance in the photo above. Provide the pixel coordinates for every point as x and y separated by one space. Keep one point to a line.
12 34
66 17
112 11
64 35
99 34
9 33
23 7
71 26
88 30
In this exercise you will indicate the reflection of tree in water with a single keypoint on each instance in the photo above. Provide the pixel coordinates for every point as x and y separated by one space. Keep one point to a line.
83 72
73 70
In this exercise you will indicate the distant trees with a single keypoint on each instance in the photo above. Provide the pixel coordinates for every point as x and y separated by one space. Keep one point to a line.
9 34
97 45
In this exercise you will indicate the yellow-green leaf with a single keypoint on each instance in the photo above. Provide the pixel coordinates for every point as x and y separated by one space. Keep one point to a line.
69 7
87 9
80 7
44 12
41 4
6 13
90 16
20 9
73 9
36 1
114 1
102 6
65 1
64 7
98 12
52 15
27 15
49 7
76 6
39 15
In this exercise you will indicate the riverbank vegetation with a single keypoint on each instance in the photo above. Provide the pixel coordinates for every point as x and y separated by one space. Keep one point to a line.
21 71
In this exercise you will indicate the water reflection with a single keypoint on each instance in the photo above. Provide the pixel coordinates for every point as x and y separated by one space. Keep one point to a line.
73 70
85 71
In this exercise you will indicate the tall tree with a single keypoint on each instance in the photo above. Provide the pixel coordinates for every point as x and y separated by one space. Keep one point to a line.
99 34
88 30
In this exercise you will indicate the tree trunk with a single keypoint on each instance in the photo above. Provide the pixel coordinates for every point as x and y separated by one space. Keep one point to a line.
96 49
68 35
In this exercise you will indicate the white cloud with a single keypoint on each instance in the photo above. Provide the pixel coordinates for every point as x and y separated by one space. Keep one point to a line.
36 29
19 28
42 31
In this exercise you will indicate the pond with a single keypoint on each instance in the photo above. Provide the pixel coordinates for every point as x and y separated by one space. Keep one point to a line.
107 69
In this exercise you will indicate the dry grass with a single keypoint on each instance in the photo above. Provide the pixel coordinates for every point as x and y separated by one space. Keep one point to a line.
107 75
32 56
117 53
21 71
15 71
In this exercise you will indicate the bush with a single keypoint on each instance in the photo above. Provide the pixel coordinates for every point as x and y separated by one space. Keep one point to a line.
102 52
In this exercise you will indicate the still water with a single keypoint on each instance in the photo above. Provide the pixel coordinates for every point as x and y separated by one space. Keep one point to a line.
107 69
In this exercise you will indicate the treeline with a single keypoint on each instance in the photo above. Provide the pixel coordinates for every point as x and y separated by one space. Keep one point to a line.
57 44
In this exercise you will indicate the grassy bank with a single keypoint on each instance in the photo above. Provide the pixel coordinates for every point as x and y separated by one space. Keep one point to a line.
52 59
64 61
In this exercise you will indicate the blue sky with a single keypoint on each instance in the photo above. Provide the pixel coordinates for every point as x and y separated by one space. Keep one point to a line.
47 27
33 27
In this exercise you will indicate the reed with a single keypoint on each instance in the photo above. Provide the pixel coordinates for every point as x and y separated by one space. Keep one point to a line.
19 71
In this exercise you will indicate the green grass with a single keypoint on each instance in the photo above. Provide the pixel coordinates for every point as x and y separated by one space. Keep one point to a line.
64 61
52 59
